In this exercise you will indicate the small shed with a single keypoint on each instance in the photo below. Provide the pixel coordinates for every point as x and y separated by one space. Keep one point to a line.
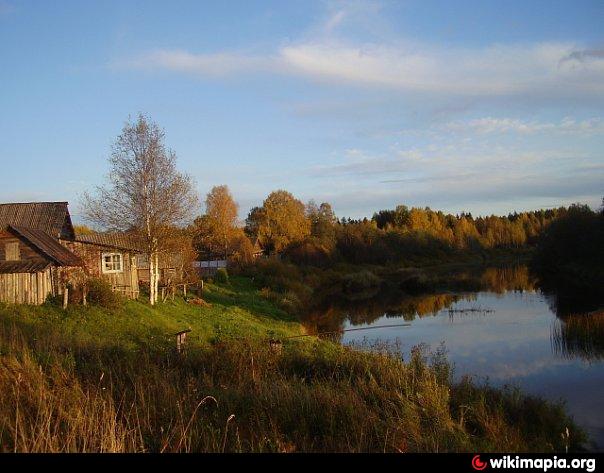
34 265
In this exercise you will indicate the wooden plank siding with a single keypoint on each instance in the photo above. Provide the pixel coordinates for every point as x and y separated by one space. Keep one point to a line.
26 288
125 282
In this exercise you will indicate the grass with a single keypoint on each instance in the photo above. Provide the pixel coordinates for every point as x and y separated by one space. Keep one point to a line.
235 310
93 379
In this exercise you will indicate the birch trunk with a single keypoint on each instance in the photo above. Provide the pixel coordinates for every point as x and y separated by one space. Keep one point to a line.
152 285
156 277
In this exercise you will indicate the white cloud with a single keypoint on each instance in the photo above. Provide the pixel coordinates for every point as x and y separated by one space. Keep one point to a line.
489 125
497 70
493 70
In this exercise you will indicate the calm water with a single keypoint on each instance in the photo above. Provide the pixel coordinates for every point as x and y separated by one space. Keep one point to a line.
516 335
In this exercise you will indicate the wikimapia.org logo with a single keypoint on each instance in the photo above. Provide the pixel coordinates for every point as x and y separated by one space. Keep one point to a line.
543 464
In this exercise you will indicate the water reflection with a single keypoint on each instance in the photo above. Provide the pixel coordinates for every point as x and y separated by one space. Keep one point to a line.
509 332
580 336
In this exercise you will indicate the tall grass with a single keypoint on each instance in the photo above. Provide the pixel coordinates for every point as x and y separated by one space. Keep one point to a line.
65 395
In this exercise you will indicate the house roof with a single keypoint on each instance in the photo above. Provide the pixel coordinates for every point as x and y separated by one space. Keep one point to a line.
48 245
50 217
123 241
23 266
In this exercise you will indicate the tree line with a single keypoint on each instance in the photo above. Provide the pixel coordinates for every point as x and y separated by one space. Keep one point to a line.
311 233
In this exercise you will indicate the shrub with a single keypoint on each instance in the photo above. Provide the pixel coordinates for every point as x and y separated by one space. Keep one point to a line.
221 276
100 293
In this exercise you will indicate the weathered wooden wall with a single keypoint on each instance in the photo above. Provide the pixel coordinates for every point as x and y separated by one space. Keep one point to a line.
125 281
26 288
170 268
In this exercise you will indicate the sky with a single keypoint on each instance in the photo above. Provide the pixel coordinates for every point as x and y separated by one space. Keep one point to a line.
480 106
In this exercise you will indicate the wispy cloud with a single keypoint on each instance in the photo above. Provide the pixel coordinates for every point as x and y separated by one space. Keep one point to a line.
497 70
213 65
335 20
493 70
488 125
583 55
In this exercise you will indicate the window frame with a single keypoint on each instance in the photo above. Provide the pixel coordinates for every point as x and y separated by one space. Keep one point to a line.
112 255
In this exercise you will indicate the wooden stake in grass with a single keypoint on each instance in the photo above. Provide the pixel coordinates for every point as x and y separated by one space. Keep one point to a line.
181 338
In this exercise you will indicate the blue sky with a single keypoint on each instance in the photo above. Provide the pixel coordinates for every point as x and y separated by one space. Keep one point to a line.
479 106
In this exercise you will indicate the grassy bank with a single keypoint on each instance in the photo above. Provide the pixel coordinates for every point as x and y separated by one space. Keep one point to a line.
94 379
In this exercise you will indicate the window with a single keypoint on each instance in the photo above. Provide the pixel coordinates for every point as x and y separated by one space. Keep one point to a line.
11 251
112 263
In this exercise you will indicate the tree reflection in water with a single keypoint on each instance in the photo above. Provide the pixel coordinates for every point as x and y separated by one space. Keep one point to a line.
577 332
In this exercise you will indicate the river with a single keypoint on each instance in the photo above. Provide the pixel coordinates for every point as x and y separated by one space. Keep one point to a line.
512 334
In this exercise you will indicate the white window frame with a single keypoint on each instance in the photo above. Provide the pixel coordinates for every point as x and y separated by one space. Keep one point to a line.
112 263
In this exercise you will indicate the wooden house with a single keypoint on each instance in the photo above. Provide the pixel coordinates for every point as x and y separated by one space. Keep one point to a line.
110 256
33 263
40 255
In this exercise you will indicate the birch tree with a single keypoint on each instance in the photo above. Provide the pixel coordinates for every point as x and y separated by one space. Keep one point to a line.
145 194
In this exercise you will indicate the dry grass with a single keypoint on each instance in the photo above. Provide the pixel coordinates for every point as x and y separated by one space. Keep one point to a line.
238 396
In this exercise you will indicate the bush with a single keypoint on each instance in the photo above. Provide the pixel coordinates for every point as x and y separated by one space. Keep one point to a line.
221 276
100 293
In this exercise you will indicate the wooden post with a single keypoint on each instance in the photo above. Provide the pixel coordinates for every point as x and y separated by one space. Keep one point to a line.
65 297
181 338
184 290
84 294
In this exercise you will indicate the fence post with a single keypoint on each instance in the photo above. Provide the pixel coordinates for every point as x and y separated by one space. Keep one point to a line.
65 297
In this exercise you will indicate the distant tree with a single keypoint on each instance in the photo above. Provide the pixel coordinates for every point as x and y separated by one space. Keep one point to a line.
280 221
254 220
215 230
145 193
323 221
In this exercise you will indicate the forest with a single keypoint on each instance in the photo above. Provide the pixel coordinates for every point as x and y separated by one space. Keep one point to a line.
312 234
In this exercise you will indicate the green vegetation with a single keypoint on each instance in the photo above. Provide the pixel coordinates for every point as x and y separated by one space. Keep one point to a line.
97 379
221 276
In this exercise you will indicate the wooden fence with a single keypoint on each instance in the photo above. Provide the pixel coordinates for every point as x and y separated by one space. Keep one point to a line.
26 288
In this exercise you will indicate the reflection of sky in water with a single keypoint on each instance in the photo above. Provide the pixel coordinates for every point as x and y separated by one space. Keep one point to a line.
510 345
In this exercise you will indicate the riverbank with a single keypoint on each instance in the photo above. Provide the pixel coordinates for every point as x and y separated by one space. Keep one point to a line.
95 379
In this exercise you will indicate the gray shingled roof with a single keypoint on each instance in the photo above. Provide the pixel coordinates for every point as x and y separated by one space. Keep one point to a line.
122 241
50 217
9 267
